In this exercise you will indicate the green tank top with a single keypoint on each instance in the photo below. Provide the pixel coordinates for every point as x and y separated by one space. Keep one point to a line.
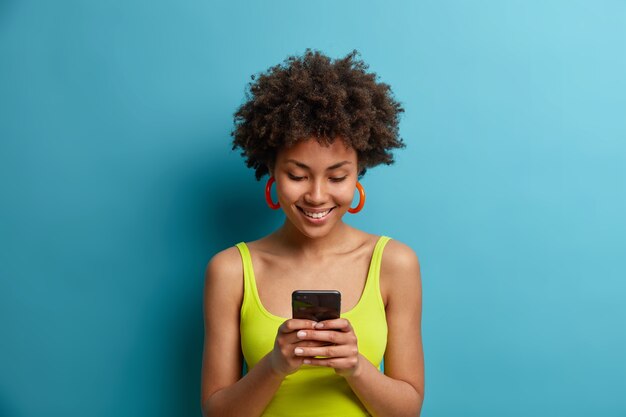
314 391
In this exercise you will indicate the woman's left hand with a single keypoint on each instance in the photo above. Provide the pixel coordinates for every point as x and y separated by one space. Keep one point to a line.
341 353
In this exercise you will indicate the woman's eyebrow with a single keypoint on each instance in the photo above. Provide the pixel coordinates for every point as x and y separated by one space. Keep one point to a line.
300 164
330 168
338 165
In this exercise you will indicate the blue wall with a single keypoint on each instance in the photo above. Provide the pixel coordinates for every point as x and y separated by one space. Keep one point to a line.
118 184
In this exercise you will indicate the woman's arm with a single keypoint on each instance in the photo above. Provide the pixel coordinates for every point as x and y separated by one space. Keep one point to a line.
222 386
400 391
224 393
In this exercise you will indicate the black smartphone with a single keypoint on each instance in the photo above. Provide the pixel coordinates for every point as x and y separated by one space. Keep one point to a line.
316 305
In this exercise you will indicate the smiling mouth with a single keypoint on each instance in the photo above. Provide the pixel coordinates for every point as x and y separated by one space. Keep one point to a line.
316 214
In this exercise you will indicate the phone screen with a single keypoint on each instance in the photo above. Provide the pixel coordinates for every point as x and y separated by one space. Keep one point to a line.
316 305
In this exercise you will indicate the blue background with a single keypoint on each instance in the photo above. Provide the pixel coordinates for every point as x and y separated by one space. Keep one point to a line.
118 184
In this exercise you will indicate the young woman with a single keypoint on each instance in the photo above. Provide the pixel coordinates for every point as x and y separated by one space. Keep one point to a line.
314 125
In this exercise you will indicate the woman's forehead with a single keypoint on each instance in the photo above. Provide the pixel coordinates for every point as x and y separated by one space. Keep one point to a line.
311 152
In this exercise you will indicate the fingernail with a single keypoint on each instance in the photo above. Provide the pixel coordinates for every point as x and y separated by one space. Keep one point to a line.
301 334
319 325
307 361
299 351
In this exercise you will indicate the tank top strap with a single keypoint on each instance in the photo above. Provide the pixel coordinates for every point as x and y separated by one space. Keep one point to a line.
372 286
248 275
377 255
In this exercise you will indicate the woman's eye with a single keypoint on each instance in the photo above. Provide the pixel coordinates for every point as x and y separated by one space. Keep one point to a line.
338 179
295 177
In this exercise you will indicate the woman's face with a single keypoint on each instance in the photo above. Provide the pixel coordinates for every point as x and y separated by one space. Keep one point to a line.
315 184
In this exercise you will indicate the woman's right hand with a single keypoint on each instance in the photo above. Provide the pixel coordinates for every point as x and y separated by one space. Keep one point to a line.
283 359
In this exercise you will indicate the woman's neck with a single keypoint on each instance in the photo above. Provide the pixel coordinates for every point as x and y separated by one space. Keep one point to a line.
338 240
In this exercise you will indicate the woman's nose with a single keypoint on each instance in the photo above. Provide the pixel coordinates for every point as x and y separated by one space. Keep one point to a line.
316 194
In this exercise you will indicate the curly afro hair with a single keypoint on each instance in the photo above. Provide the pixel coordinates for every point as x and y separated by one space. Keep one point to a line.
314 96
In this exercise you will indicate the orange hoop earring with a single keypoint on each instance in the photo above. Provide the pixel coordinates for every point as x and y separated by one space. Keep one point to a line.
359 207
268 194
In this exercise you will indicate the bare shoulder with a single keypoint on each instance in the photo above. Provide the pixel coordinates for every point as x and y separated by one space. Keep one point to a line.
228 260
400 269
224 273
398 259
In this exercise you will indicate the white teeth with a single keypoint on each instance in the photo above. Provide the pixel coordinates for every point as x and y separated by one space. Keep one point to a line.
316 215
